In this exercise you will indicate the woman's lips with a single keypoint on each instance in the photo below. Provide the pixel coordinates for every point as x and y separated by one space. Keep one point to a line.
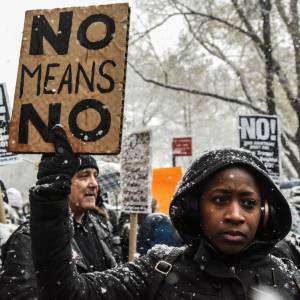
233 236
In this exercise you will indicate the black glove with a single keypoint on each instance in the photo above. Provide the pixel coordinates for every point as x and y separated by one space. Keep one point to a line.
61 165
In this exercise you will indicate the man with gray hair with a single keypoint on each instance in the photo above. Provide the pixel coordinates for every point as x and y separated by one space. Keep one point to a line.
92 244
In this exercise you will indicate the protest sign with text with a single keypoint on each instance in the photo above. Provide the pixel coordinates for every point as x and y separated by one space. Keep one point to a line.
71 71
5 156
136 173
260 135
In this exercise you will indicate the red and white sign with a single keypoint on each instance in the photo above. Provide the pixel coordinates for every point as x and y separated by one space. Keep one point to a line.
182 146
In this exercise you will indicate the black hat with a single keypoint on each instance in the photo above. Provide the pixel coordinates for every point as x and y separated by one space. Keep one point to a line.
211 162
86 161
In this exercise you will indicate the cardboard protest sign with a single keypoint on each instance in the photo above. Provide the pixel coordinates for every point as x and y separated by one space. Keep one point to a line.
260 135
71 71
164 183
136 172
5 156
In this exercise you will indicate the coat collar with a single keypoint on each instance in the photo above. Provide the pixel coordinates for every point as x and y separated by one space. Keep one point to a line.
210 262
213 262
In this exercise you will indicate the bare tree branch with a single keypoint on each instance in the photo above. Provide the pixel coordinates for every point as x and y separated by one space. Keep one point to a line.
238 21
148 115
265 12
282 78
248 25
150 43
282 13
217 52
213 18
260 46
250 32
141 35
292 25
197 92
190 11
293 158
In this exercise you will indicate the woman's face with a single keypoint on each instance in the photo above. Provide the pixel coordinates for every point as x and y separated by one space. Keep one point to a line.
230 209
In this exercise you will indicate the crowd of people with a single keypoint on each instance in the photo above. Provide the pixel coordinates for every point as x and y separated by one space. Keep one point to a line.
228 236
98 242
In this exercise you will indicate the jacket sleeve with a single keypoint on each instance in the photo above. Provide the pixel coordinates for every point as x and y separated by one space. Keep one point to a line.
17 279
51 232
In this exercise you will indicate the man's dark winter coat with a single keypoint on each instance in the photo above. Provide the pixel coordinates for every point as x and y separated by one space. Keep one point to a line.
18 280
200 272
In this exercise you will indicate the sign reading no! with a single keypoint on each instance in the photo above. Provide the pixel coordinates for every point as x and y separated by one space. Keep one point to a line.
260 135
71 71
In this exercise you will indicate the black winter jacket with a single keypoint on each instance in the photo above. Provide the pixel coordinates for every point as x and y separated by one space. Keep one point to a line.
18 279
200 272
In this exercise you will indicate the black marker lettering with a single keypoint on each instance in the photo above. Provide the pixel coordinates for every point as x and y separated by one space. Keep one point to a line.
100 131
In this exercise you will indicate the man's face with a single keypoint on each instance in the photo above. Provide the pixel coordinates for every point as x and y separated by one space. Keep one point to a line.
230 209
84 189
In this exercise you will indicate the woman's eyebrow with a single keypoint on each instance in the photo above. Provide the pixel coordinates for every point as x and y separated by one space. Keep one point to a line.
220 190
225 190
247 193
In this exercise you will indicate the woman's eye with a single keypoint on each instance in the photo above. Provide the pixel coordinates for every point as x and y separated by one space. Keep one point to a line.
220 200
249 203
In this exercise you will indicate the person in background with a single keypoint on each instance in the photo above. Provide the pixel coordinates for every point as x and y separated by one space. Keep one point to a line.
15 200
289 247
5 232
92 246
11 214
124 227
156 229
3 191
228 211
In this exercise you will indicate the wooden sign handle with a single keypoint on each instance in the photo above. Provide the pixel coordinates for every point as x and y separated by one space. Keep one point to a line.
132 236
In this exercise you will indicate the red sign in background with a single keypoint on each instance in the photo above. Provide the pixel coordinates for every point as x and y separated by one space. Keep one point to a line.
182 146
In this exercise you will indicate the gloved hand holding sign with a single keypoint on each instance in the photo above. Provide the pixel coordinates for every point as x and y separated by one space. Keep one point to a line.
56 169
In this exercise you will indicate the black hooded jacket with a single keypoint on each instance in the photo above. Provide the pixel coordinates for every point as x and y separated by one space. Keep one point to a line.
200 272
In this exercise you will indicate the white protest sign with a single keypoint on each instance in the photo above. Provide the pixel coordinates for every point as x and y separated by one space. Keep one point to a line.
5 156
260 135
136 172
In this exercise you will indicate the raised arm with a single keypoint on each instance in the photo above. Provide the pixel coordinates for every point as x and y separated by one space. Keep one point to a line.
51 232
